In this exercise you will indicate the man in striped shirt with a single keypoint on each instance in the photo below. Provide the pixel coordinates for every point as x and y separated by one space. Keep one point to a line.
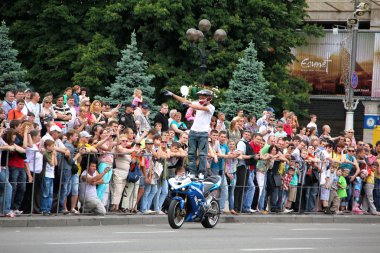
63 113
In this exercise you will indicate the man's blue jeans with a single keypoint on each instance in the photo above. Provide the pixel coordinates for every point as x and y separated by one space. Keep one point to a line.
5 192
198 145
249 192
311 195
17 178
162 192
66 176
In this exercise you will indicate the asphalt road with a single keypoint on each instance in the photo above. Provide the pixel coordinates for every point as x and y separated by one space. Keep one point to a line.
194 238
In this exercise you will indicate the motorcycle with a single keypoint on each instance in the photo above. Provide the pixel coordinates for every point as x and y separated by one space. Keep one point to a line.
194 200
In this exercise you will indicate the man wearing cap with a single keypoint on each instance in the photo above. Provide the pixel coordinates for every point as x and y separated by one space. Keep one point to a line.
126 119
27 93
198 138
52 133
144 118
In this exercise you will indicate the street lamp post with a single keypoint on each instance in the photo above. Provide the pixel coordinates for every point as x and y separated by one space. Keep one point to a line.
195 36
350 103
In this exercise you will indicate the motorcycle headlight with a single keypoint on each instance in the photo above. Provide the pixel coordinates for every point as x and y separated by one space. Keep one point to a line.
183 189
172 188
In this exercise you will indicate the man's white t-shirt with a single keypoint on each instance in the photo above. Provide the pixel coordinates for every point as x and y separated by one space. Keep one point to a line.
87 190
202 119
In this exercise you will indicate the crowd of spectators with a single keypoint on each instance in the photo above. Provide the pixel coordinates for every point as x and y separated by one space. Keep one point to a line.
71 154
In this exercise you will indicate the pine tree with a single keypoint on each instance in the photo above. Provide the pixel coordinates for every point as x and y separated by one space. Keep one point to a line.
12 76
131 74
248 89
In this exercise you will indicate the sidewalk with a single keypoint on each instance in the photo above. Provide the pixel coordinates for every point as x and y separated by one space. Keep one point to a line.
114 219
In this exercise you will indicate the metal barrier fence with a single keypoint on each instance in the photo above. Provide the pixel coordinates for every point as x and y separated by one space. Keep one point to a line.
270 194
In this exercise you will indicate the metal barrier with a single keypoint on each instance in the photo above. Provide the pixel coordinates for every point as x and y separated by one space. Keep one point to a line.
304 192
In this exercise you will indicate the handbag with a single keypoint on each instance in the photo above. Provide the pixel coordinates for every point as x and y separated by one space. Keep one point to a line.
74 168
157 169
134 173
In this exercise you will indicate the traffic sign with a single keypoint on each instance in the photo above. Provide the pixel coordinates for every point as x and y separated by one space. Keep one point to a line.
354 80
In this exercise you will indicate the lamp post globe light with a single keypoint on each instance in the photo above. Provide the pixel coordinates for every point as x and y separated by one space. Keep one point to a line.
195 37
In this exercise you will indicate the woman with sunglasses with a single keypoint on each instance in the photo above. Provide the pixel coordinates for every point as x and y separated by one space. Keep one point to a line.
120 172
349 162
350 135
47 114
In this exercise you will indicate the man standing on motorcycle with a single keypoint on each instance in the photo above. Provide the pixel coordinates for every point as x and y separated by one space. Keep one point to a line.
198 138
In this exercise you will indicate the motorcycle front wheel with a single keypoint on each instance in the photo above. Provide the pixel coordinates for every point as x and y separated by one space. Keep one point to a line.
210 220
176 217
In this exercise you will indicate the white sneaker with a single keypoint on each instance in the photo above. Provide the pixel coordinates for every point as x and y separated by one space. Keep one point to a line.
252 211
201 176
149 212
288 210
17 212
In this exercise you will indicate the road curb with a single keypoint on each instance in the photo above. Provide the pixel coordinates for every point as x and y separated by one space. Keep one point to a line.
85 220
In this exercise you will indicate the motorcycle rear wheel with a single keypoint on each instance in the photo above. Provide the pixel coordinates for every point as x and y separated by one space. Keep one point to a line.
210 221
175 216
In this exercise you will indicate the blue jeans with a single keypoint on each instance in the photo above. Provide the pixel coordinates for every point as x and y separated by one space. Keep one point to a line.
249 192
66 175
231 189
198 143
376 194
311 194
47 194
162 192
17 178
73 186
149 193
223 193
5 192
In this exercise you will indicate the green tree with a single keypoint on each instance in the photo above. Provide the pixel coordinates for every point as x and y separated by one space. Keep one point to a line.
248 89
12 76
91 68
49 33
131 74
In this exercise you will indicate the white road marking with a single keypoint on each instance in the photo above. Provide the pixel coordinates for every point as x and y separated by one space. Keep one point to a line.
301 239
277 249
146 232
78 243
320 229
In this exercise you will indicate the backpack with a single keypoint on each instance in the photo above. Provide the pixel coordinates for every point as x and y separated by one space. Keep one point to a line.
249 151
134 173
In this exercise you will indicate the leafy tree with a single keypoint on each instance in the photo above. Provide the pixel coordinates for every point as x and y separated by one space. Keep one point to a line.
50 36
131 74
91 67
12 76
248 89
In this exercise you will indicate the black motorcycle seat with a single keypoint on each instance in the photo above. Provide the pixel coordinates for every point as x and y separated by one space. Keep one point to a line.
206 187
212 179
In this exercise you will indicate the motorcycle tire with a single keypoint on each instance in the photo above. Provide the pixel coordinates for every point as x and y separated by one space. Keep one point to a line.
210 221
175 218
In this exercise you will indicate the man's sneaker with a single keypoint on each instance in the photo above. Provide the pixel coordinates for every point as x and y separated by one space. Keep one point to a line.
17 212
201 176
191 176
287 210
